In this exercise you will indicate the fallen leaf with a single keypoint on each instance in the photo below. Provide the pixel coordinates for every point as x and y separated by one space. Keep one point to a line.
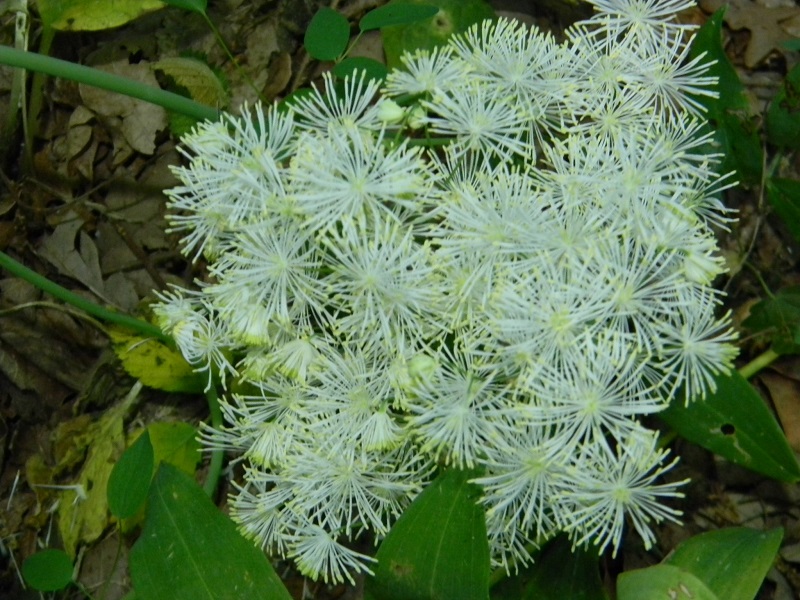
82 521
769 26
140 121
79 261
785 395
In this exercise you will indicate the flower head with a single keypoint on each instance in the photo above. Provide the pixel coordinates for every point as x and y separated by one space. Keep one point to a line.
502 261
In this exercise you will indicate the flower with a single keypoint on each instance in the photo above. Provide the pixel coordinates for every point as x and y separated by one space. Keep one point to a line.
347 108
607 485
271 265
235 169
426 72
480 118
511 288
349 175
456 413
382 285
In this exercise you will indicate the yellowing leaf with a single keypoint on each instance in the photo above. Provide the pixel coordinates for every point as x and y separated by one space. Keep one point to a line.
155 364
92 15
83 520
198 79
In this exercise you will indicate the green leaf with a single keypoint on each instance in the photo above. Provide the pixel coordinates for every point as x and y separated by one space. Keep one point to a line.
156 365
130 478
735 127
661 582
189 550
351 66
92 15
781 311
783 116
454 16
397 13
731 562
735 423
175 443
779 316
327 35
560 572
784 195
198 6
556 572
438 548
48 570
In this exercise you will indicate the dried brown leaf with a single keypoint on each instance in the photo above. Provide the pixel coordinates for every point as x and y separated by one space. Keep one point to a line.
766 25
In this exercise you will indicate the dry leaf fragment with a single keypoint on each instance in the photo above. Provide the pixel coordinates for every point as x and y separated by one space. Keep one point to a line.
766 25
785 395
141 121
81 263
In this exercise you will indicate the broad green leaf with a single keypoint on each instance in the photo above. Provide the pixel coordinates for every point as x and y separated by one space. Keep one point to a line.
454 16
735 423
396 13
735 127
92 15
556 572
47 570
784 196
198 6
783 116
353 66
732 562
189 550
327 35
779 317
560 572
438 548
662 582
130 478
175 443
154 364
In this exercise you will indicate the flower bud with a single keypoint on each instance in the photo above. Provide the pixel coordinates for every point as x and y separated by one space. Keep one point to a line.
390 111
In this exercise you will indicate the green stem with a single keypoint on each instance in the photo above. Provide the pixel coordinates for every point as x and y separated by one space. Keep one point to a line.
430 142
215 466
759 362
32 61
31 114
104 314
224 46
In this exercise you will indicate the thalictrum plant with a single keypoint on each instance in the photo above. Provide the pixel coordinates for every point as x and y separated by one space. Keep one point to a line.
493 263
502 259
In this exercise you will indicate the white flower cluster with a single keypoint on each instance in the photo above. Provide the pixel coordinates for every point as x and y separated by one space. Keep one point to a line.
499 261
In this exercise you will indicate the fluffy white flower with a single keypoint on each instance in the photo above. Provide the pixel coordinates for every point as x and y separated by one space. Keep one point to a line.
235 171
382 285
349 175
346 107
608 485
511 287
426 72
